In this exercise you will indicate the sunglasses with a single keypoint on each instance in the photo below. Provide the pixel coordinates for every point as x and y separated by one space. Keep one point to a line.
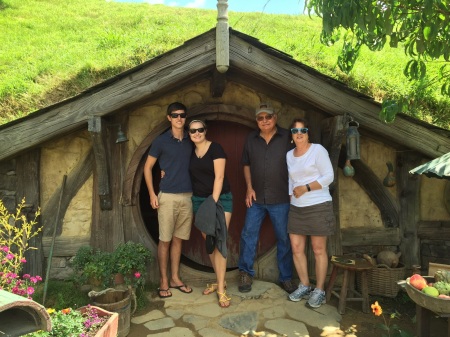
200 130
299 130
261 118
182 115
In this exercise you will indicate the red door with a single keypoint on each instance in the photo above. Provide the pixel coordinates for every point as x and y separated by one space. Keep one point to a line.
232 138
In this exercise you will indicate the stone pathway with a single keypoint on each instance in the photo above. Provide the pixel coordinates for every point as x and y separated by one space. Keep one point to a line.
265 311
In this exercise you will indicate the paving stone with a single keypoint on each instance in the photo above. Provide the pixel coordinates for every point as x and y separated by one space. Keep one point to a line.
274 312
174 332
207 310
198 322
326 315
209 332
159 324
150 316
287 327
175 314
240 322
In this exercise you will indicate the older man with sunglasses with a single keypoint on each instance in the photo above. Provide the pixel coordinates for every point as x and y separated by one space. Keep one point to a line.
266 177
174 205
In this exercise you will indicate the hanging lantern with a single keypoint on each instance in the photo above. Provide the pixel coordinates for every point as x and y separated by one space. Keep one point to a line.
353 141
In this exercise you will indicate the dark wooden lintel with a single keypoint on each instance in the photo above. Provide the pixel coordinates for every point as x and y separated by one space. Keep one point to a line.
97 131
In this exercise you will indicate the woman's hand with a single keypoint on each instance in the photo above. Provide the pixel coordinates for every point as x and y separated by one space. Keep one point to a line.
299 191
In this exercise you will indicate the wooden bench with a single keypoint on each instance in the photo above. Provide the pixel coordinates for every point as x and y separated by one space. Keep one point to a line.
350 266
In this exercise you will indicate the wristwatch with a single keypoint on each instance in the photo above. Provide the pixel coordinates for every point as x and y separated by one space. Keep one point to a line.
308 187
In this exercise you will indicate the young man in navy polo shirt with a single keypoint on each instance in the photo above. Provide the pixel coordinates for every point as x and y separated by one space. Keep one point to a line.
174 205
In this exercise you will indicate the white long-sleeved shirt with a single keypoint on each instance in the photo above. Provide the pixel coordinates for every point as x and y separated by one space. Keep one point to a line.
314 165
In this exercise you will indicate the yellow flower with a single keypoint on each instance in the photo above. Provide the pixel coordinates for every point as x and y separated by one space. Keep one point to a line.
50 310
376 309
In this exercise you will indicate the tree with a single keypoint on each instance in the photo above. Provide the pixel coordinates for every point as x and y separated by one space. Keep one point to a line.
422 27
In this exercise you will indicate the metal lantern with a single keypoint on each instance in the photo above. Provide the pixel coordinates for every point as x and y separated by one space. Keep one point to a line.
353 151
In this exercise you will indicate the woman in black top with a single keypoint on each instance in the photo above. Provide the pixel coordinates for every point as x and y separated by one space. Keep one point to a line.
207 170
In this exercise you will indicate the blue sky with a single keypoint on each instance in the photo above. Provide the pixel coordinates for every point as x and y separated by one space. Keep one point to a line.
266 6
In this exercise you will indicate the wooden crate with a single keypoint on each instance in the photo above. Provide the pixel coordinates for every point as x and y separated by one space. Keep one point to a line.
433 267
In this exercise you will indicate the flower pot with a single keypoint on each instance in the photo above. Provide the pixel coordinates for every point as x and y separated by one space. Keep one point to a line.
110 328
119 279
120 302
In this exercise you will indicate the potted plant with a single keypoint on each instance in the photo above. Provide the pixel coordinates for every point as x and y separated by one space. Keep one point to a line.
130 259
92 266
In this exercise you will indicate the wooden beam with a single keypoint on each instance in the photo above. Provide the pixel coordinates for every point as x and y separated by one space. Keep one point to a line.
28 177
434 230
218 83
97 130
65 246
331 96
369 182
408 191
370 236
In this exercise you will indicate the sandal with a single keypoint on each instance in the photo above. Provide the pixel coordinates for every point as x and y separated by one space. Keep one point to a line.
223 299
211 288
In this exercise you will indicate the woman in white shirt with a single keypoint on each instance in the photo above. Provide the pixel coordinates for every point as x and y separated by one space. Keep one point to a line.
311 211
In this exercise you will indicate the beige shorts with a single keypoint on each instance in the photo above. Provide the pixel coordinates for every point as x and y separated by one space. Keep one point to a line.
174 216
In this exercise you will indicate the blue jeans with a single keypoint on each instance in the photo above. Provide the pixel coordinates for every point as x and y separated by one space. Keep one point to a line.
250 234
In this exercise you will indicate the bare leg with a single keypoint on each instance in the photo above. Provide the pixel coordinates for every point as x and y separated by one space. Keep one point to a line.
298 254
319 246
175 255
163 259
220 269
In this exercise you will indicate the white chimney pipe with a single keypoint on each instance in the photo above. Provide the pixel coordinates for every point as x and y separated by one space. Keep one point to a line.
222 37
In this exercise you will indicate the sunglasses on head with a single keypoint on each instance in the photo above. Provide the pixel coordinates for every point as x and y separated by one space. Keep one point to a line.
266 117
299 130
200 130
182 115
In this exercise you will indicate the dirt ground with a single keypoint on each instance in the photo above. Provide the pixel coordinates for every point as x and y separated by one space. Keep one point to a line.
354 322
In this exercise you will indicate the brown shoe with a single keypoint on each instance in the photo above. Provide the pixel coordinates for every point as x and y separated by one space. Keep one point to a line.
245 282
288 286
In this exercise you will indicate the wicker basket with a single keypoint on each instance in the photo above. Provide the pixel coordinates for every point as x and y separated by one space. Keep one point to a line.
382 280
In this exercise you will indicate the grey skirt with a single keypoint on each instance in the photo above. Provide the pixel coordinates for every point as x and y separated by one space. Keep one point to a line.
317 220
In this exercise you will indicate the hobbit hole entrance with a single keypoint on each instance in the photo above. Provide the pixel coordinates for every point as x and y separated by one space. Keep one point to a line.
232 137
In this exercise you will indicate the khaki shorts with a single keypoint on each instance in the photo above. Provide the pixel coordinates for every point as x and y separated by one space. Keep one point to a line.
174 216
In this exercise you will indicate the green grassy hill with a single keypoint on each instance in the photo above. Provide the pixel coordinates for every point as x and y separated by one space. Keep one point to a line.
53 49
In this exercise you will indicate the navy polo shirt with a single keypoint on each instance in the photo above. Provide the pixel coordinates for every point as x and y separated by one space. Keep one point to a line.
173 157
268 166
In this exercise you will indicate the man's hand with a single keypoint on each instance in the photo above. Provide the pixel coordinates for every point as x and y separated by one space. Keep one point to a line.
250 197
154 201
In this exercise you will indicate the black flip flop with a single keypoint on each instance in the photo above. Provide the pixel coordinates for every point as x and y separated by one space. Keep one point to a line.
162 296
182 286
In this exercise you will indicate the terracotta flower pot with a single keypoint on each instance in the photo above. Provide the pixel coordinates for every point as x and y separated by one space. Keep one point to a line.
109 329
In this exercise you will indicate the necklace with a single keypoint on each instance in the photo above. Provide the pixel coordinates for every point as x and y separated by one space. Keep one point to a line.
201 152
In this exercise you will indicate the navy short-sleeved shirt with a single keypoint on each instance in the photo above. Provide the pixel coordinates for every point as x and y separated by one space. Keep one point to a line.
268 166
173 156
202 171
